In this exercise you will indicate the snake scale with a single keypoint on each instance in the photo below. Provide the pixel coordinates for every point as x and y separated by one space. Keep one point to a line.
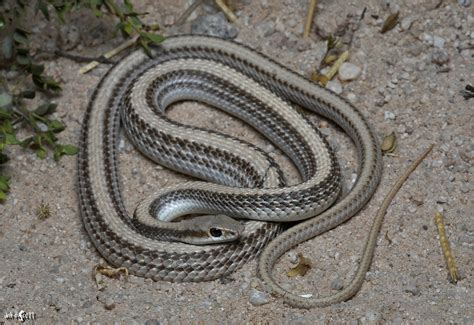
246 182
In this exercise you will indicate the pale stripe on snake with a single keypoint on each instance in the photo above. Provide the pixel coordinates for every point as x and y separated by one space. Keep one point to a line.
228 74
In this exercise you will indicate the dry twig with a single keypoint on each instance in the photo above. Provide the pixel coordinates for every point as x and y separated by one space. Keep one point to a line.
88 67
309 18
226 10
188 12
446 247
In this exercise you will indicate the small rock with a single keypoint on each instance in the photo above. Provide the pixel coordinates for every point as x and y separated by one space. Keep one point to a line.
464 3
214 25
258 298
267 28
168 20
389 115
413 289
351 97
427 39
69 36
372 316
335 86
337 284
59 280
439 56
349 71
152 322
406 22
292 257
438 42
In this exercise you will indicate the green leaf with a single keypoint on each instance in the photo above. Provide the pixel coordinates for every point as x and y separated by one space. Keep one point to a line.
135 21
11 139
41 153
127 28
46 83
29 94
20 37
7 47
3 158
4 184
56 126
144 45
5 101
155 38
37 69
23 60
69 149
26 142
5 113
47 108
64 149
3 196
43 7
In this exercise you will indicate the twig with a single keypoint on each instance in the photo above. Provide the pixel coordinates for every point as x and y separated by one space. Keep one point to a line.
108 55
446 247
82 59
309 18
188 12
226 10
337 64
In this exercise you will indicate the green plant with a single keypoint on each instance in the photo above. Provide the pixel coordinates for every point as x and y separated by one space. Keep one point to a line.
16 111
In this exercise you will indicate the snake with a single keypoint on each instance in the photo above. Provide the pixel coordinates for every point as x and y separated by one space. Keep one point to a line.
243 207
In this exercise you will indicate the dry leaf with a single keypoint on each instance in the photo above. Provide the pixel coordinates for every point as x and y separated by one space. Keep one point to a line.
303 266
111 272
319 78
390 22
389 143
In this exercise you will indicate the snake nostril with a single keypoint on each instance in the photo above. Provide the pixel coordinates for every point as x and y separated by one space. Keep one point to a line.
215 232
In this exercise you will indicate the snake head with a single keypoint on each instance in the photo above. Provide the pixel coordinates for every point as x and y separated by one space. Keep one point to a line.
213 229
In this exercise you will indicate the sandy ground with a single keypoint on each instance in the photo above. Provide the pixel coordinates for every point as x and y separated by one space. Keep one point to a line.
46 264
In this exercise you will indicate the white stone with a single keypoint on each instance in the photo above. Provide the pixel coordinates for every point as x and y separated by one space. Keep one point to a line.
389 115
258 298
427 39
438 42
349 71
335 86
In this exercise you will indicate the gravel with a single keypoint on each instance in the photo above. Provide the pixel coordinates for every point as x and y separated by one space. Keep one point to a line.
214 25
349 71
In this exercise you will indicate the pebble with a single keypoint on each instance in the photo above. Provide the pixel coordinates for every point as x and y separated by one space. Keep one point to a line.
335 86
413 289
337 284
438 42
214 25
59 280
258 298
406 22
267 28
152 322
464 3
372 316
293 258
439 56
69 36
349 71
351 97
169 20
389 115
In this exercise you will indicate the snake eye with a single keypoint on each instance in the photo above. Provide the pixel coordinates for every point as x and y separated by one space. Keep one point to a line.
215 232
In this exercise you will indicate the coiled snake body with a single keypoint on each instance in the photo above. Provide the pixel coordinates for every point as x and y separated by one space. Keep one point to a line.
242 82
